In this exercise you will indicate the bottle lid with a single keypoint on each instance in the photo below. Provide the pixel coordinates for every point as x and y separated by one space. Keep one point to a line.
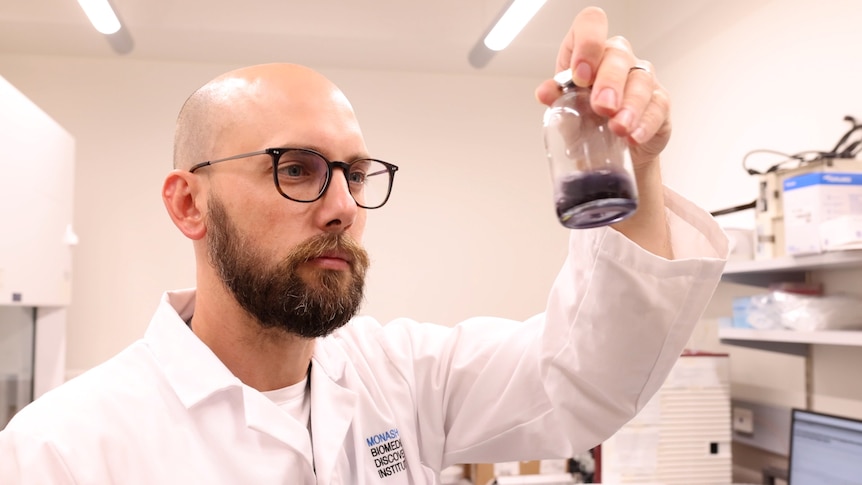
564 78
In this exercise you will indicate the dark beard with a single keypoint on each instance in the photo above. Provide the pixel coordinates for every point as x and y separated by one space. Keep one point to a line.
276 295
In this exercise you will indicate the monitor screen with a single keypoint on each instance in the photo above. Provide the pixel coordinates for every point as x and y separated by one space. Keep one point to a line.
824 449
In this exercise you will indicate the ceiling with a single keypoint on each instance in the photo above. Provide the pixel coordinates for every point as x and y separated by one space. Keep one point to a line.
432 35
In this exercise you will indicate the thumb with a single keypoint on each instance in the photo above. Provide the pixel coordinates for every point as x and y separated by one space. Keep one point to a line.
548 92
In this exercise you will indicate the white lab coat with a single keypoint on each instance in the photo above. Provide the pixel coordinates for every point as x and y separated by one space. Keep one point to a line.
390 404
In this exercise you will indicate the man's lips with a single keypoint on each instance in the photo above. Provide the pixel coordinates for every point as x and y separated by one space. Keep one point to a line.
332 260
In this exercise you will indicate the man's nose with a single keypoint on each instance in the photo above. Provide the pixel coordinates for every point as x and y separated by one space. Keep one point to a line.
339 208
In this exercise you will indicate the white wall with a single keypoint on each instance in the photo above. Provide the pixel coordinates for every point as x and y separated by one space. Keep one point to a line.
469 229
748 74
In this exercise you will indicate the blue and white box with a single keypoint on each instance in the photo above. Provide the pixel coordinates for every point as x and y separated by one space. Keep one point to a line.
814 198
741 307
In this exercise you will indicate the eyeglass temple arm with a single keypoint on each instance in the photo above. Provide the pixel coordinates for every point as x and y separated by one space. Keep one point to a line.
211 162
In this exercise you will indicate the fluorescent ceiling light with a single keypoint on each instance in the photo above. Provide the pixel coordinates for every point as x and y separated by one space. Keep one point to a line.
101 15
510 24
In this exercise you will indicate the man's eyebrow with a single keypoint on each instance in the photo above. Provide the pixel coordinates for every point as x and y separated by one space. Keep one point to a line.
322 150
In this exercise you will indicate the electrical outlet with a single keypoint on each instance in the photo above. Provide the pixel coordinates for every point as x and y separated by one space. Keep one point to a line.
743 420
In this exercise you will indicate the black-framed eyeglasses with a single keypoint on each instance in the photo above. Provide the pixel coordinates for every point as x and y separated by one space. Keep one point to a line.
303 175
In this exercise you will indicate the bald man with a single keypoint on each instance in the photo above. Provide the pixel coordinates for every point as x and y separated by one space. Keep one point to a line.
263 374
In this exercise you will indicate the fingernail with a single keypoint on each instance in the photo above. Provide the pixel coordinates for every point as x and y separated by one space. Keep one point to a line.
639 135
625 118
607 99
583 74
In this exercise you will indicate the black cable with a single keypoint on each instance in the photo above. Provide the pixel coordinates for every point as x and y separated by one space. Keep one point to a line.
849 150
803 158
798 158
730 210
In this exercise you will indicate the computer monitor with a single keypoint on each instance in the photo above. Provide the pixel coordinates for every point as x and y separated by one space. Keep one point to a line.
824 449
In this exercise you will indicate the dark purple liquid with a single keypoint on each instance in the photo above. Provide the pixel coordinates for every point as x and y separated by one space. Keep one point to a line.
595 199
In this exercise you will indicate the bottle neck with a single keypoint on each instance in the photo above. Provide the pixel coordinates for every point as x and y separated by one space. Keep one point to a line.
569 88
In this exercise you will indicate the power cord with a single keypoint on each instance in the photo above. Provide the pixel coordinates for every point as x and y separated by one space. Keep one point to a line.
848 146
845 148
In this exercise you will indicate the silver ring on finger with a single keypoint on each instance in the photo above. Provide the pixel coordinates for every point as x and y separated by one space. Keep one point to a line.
640 67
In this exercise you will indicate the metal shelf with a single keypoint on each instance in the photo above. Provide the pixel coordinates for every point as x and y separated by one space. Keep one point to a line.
788 341
788 268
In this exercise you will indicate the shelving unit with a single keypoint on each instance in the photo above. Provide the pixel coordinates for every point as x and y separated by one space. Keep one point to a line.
789 268
792 342
788 341
762 273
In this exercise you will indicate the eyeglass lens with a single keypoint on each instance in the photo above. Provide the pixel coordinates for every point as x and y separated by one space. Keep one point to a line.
302 175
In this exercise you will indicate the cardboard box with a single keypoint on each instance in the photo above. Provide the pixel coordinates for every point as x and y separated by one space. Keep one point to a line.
842 233
770 219
484 473
814 198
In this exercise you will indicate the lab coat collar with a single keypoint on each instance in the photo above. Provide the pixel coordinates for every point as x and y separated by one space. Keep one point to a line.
195 373
192 369
264 416
333 407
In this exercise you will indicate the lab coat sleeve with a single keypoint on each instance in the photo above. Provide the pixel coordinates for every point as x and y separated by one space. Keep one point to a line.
26 458
617 319
633 314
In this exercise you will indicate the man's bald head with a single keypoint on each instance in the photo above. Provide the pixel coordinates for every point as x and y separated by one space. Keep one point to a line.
223 107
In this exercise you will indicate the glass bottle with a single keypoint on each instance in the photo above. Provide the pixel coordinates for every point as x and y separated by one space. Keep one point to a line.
591 168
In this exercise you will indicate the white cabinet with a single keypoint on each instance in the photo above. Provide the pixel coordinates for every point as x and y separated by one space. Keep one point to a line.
36 236
682 435
36 182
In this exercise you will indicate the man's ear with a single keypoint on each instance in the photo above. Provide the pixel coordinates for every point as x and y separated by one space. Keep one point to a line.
180 193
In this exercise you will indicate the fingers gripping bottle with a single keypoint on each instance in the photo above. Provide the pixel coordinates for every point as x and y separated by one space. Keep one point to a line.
591 168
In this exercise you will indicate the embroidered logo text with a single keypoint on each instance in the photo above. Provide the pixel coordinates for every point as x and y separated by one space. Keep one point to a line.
387 452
